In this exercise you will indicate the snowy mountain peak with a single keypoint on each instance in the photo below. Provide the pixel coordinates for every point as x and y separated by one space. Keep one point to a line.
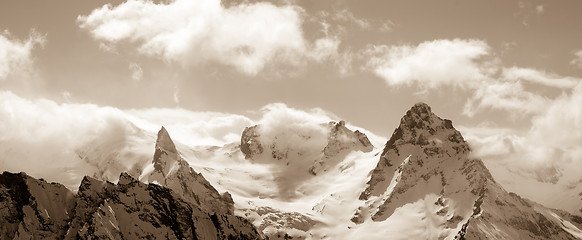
166 156
164 142
341 138
427 160
172 171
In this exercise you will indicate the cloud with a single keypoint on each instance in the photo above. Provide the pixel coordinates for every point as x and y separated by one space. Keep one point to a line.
526 9
469 65
508 96
577 61
192 128
540 9
297 130
136 72
539 77
16 55
552 140
63 142
247 36
345 18
429 63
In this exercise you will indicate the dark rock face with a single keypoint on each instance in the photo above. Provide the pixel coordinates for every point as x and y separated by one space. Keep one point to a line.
35 209
249 142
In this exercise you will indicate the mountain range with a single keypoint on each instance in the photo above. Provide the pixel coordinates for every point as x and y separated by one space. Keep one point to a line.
326 182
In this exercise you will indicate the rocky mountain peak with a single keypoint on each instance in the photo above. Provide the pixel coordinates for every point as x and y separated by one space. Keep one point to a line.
249 143
166 156
420 116
341 138
164 142
172 171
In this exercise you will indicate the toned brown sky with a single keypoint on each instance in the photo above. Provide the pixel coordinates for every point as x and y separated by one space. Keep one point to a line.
496 68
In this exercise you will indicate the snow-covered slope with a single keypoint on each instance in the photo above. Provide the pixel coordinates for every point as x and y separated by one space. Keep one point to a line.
424 184
425 158
170 170
188 208
325 182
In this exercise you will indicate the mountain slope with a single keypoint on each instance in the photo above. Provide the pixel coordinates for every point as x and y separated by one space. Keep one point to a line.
172 171
426 157
190 208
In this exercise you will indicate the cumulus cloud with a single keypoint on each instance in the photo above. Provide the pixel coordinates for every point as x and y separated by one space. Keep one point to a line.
192 128
577 61
431 64
63 142
136 72
246 36
16 55
297 130
552 140
508 96
539 77
467 64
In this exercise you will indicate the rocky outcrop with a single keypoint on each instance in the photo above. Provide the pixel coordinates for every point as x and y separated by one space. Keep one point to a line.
249 143
130 209
32 208
340 139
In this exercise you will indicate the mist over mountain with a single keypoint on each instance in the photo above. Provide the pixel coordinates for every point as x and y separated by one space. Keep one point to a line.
306 181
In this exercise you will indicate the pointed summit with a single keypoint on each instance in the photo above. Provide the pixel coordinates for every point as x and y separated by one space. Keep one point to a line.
172 171
166 155
164 142
420 116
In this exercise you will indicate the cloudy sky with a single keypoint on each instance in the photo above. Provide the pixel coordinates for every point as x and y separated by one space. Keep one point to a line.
508 73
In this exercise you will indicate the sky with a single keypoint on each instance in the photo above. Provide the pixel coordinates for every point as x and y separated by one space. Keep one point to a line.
508 73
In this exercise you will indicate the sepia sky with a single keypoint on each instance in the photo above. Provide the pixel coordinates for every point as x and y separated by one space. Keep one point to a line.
508 73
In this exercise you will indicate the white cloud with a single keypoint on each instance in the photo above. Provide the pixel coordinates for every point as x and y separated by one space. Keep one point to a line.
290 128
509 96
63 142
467 64
192 128
577 61
552 140
345 15
176 95
247 36
540 9
136 72
16 55
430 64
540 77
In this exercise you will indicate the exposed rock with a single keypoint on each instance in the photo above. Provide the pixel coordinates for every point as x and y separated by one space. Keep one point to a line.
33 209
249 142
426 155
172 171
